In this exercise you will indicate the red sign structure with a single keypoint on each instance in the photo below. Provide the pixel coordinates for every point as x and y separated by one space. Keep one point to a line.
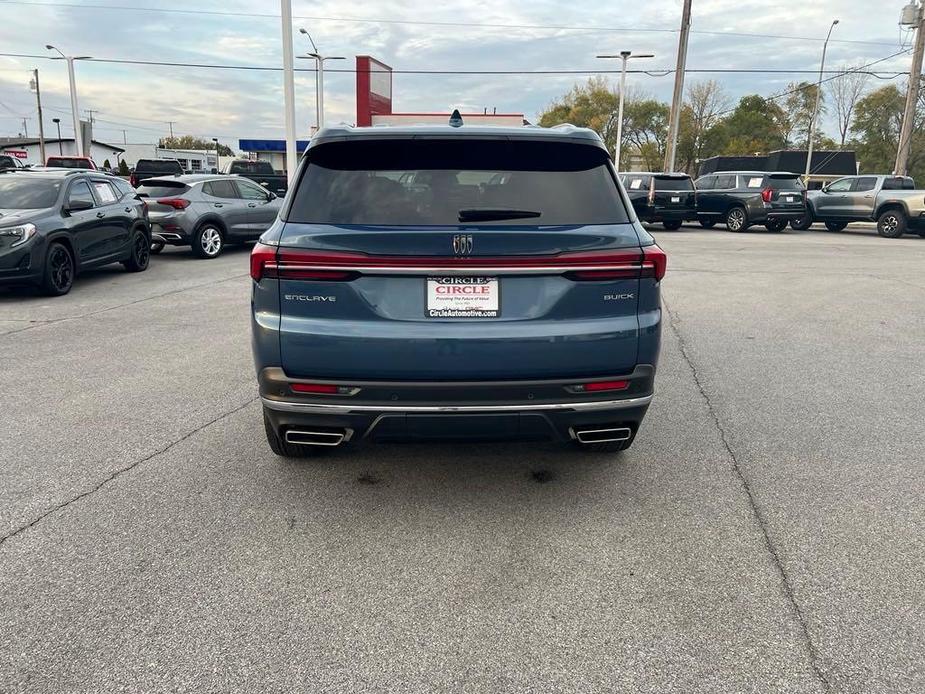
374 89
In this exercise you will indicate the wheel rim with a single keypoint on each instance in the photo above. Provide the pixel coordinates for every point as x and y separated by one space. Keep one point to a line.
142 250
890 224
211 241
62 269
736 219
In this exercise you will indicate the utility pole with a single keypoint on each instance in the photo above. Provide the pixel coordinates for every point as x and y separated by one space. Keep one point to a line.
124 138
38 103
90 112
288 87
912 93
25 128
815 114
677 98
170 125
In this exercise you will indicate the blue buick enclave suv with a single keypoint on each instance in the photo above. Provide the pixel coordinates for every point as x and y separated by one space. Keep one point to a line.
443 282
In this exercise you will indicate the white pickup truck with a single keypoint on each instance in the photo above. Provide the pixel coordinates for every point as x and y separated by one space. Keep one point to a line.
892 202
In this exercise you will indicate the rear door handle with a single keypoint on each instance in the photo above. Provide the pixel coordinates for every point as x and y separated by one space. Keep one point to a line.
218 204
128 209
100 215
252 204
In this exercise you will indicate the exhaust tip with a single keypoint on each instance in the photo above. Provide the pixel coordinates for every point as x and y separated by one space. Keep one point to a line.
602 435
317 438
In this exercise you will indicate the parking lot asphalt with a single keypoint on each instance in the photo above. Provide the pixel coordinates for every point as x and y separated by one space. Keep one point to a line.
764 533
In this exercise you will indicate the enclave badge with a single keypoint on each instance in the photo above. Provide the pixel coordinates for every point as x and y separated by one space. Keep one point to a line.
462 244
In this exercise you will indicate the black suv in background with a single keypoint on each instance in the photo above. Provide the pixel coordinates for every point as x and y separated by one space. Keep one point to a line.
56 223
668 198
154 168
745 198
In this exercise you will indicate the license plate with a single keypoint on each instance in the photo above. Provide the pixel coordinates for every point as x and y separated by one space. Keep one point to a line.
789 198
463 297
675 198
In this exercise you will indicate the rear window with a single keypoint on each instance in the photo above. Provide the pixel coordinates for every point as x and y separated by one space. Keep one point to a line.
251 167
28 193
898 183
636 182
68 163
158 166
673 183
449 182
161 189
784 183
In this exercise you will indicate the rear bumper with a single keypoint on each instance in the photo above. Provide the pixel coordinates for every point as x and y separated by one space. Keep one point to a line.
434 411
788 214
668 214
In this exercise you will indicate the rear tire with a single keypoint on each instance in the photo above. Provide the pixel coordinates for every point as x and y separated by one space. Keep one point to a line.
280 447
835 226
707 223
140 254
803 223
776 225
892 224
737 219
58 277
208 241
672 226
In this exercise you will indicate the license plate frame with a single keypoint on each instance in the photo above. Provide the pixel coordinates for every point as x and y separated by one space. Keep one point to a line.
462 304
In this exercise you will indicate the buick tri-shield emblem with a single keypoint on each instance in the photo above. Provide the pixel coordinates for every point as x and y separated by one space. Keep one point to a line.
462 244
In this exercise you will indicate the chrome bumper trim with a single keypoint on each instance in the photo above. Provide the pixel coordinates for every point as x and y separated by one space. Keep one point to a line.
340 408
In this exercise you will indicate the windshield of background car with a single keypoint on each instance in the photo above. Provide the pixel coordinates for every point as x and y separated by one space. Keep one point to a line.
673 183
66 163
28 194
251 167
429 181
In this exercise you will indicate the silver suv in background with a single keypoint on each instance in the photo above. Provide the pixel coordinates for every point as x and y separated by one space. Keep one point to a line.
206 211
891 201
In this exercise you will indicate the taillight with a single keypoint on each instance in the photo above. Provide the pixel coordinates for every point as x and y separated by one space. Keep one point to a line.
175 203
654 262
262 256
133 181
652 192
766 194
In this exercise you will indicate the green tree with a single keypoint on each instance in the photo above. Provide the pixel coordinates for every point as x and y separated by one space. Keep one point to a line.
755 126
877 123
190 142
645 129
701 134
590 105
123 168
107 165
798 108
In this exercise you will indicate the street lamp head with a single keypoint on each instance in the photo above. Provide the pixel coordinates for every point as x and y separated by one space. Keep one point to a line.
49 47
55 120
626 54
835 22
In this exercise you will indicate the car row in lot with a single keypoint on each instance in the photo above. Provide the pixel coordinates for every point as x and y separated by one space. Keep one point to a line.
741 199
58 222
54 223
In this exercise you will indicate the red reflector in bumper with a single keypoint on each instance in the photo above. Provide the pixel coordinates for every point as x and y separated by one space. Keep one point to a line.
314 388
598 386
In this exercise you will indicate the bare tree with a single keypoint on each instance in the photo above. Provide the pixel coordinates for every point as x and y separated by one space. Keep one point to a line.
845 92
703 109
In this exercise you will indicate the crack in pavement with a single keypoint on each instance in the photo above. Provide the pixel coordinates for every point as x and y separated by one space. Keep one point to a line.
55 321
814 658
121 471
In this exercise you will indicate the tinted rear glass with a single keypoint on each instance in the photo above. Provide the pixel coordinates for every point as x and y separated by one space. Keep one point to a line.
252 167
670 183
68 163
430 181
28 194
158 166
161 189
782 183
898 183
631 182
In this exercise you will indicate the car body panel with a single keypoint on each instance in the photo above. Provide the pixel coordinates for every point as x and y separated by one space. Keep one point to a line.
660 197
719 192
850 199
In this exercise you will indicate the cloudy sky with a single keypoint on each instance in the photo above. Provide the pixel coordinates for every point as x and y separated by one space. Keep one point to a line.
475 35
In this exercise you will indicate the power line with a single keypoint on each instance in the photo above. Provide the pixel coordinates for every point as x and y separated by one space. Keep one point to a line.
449 24
398 71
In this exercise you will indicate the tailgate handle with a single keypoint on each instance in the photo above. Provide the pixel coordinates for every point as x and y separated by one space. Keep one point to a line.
218 204
100 215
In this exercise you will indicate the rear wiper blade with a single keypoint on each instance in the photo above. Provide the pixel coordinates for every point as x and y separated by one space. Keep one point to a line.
485 214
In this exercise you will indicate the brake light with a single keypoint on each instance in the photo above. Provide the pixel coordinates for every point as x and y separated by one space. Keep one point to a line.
309 264
175 203
766 194
652 191
133 181
654 262
323 389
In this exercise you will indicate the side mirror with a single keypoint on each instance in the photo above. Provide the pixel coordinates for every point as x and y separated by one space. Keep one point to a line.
78 206
271 196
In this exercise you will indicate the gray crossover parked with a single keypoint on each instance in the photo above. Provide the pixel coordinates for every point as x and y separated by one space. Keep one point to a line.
206 211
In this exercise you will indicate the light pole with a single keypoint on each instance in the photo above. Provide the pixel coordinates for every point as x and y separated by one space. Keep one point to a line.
292 160
75 112
57 122
38 101
215 140
625 56
319 77
812 118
